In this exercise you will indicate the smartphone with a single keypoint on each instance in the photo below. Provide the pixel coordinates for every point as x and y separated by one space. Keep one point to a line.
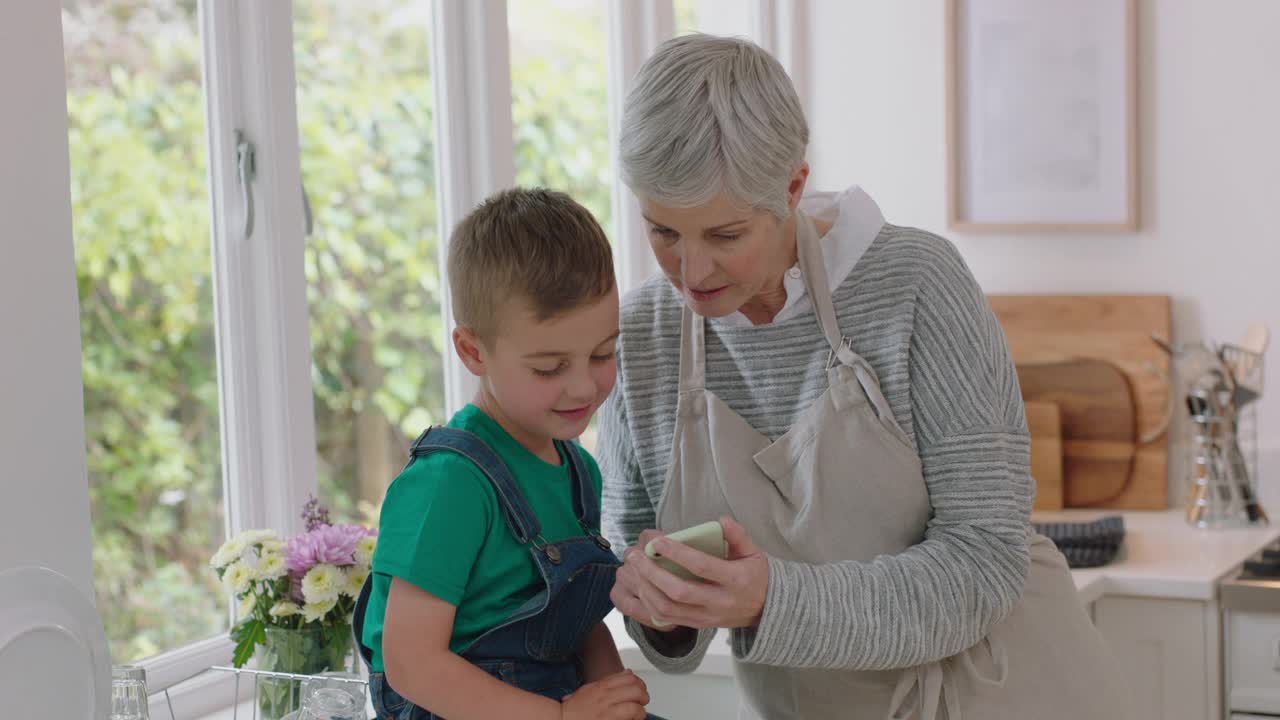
707 537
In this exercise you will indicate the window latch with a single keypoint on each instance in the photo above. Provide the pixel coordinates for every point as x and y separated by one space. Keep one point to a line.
309 221
245 165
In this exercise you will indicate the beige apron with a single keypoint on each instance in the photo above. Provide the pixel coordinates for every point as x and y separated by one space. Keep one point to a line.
844 483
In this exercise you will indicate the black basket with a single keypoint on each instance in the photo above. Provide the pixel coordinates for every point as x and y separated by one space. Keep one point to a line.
1086 544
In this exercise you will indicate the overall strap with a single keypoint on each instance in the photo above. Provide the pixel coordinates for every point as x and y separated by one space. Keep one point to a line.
585 505
515 509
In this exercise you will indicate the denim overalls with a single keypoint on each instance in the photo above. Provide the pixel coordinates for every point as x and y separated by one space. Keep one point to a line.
534 649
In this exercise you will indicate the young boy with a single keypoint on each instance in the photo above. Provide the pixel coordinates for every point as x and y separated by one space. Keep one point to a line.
491 580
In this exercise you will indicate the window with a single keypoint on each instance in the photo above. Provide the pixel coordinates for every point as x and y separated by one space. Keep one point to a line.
140 212
559 101
373 285
560 106
686 16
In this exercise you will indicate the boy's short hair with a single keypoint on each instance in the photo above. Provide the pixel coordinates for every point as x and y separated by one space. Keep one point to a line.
532 244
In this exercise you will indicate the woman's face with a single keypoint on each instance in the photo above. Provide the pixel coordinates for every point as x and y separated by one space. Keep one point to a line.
721 254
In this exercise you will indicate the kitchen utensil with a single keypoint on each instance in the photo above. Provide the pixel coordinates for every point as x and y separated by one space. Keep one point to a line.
1240 472
1221 489
1223 404
1117 329
1044 422
1256 338
1245 366
1212 501
1098 425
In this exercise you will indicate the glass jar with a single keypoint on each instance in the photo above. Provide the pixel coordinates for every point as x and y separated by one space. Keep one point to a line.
128 693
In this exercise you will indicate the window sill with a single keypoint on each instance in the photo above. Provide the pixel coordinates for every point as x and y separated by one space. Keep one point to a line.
192 691
208 696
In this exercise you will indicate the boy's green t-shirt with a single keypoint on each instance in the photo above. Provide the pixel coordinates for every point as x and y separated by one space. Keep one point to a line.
442 529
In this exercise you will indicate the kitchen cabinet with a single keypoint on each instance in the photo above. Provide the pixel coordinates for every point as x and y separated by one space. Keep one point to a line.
1168 652
1158 607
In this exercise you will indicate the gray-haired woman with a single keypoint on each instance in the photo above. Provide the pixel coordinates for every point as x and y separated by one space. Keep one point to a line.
836 390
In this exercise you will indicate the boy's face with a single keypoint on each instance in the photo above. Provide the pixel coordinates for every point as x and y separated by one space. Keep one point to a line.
548 378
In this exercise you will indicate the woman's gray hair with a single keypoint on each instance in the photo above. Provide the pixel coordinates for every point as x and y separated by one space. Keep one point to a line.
711 113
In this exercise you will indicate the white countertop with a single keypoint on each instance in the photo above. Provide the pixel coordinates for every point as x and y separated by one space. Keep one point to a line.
1162 557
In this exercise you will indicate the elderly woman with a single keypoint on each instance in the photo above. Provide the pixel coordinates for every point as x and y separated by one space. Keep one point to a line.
835 390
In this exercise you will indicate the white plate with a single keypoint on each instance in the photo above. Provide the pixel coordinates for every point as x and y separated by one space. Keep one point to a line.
54 661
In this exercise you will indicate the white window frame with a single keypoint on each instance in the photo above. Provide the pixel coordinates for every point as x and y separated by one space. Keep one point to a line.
260 288
780 26
634 30
475 146
260 304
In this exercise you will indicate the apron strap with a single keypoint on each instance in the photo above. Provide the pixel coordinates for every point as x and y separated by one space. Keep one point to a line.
515 509
871 386
814 271
693 351
933 681
931 684
357 622
815 279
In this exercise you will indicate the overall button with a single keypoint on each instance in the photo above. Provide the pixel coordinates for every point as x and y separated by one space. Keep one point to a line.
794 273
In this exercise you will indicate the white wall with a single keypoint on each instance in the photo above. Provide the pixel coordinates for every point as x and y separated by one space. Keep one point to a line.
1209 107
44 511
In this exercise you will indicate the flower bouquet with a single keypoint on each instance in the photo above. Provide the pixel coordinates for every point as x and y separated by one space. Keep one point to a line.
295 599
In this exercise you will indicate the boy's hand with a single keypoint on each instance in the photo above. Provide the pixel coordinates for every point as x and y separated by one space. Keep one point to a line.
621 696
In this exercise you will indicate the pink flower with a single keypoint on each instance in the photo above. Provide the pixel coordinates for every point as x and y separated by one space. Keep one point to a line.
333 544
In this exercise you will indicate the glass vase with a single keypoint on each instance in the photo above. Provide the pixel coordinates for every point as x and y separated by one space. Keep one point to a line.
306 651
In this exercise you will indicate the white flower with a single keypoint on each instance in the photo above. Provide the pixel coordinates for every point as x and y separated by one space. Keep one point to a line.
284 608
274 546
355 580
271 566
237 577
322 583
364 550
250 559
254 537
246 606
316 611
230 551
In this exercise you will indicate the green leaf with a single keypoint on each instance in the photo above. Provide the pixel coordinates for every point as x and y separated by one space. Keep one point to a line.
248 635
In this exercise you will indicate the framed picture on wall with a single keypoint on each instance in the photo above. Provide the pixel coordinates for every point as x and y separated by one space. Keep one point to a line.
1042 115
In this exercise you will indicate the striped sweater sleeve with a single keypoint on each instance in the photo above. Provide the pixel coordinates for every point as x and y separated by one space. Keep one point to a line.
944 594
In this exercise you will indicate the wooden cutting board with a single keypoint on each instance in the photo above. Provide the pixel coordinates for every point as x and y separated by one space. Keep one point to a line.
1045 425
1097 424
1117 329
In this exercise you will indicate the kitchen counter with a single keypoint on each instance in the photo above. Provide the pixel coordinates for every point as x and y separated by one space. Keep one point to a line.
1162 557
